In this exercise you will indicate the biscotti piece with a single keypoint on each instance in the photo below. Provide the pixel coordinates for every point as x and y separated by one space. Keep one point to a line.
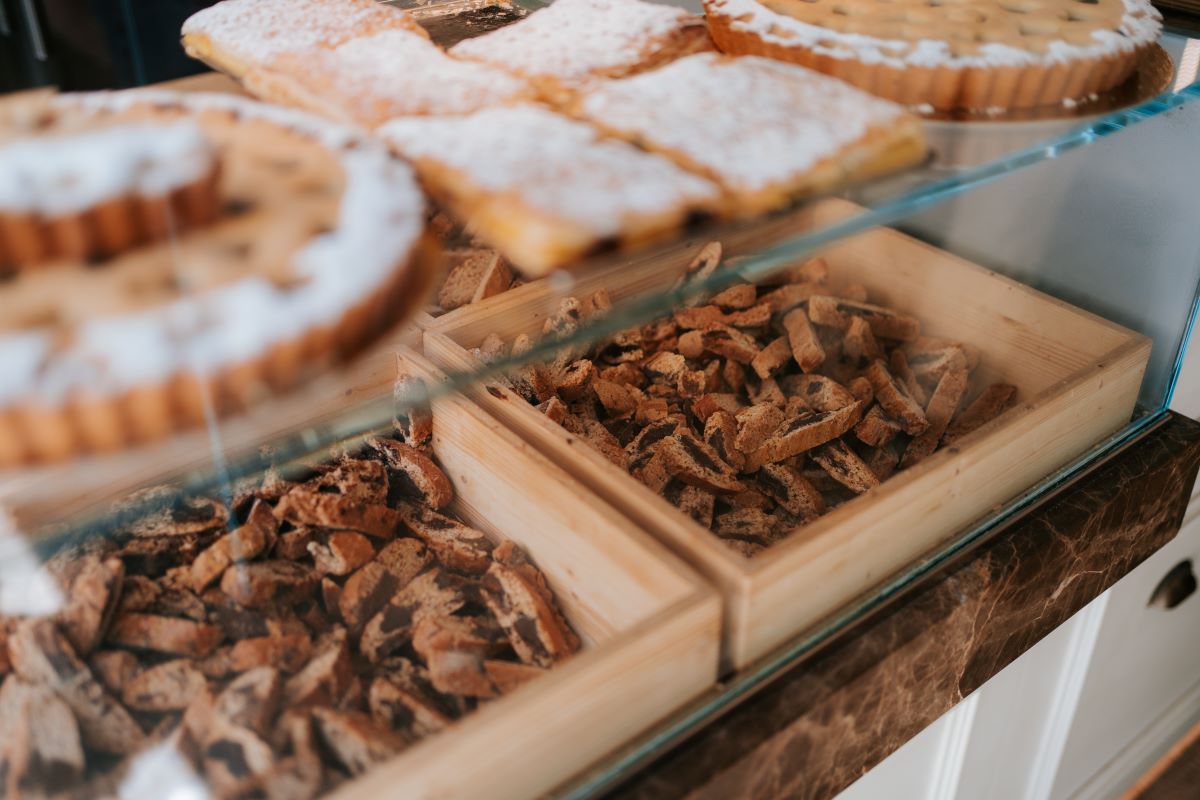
989 405
39 740
471 276
520 601
42 655
794 133
806 347
844 466
942 406
368 80
837 313
545 190
804 432
573 41
235 36
896 400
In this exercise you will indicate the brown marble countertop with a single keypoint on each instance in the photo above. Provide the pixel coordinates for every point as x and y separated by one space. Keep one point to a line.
829 719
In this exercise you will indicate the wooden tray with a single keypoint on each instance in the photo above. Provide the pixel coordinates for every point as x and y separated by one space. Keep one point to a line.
650 626
51 492
1078 378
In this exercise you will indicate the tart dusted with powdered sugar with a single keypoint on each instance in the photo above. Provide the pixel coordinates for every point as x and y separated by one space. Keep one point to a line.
545 190
78 195
168 252
235 36
371 79
795 132
968 54
573 41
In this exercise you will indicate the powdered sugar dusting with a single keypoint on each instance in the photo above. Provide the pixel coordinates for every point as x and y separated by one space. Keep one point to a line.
557 167
380 219
60 175
749 122
1140 25
571 40
254 31
398 73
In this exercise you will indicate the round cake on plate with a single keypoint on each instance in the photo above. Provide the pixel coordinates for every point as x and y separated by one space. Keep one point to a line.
164 256
949 54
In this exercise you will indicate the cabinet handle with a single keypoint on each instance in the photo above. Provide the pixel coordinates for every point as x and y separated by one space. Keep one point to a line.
1176 586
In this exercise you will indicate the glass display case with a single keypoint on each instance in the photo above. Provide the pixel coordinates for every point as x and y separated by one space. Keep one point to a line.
1051 260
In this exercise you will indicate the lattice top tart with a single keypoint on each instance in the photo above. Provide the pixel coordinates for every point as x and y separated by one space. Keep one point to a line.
949 53
166 251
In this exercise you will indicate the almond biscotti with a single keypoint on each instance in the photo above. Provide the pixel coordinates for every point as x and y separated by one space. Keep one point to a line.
574 41
720 411
545 190
766 131
275 646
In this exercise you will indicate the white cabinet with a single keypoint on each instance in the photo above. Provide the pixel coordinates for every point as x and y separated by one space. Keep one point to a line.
1142 689
1001 743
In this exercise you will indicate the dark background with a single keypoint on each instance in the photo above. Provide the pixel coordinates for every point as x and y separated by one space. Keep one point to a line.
93 44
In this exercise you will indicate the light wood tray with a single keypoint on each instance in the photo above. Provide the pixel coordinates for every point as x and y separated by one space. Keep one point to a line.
1078 378
650 626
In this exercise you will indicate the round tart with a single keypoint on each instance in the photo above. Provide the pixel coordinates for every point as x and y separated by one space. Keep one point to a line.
169 255
948 54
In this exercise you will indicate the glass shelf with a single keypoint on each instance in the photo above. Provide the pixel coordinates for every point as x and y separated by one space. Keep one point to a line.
759 248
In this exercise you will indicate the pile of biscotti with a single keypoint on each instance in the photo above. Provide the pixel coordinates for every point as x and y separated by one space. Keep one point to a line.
758 409
282 645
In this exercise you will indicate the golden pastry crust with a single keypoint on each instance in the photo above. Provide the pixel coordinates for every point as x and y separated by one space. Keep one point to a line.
29 239
236 36
976 55
545 190
572 42
795 133
368 80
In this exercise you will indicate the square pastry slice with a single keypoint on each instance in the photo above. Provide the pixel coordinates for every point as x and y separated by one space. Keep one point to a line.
766 131
572 41
394 73
545 190
234 36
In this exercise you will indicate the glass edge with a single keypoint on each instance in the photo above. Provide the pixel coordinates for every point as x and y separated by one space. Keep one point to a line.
1181 348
